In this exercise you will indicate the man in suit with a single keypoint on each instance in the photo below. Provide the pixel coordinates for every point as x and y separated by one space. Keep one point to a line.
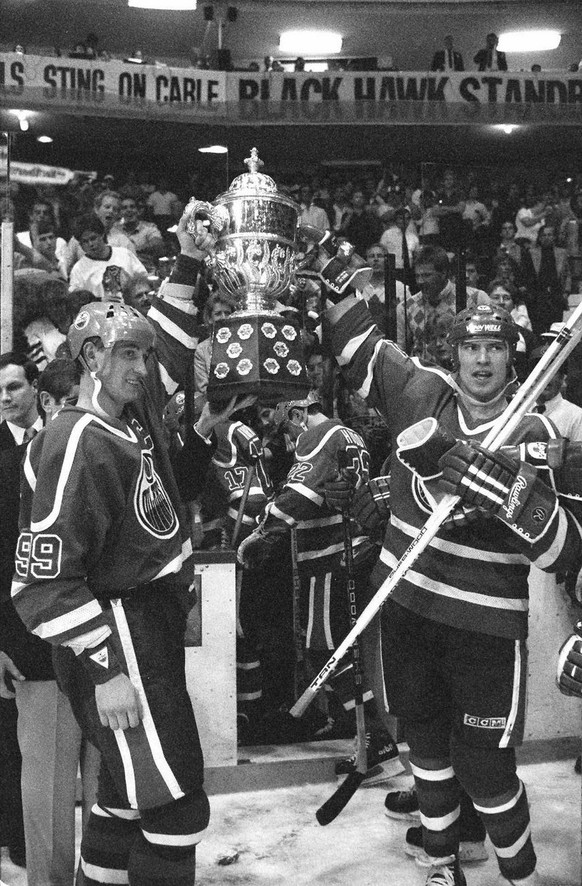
447 59
489 58
547 279
20 419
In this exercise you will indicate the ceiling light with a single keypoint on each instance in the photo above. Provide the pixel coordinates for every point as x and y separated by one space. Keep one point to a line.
507 128
214 149
44 139
22 119
310 42
179 5
528 41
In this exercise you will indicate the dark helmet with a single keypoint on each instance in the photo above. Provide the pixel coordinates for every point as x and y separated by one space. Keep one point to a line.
484 321
111 322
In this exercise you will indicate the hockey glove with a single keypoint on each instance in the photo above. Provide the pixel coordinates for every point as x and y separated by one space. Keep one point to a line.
339 492
254 550
247 443
511 491
421 445
371 506
569 676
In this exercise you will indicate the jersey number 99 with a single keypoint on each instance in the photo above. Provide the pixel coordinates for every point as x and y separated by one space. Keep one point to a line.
38 556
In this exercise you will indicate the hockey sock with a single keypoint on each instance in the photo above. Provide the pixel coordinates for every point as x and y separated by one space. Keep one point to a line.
508 826
438 800
106 845
165 852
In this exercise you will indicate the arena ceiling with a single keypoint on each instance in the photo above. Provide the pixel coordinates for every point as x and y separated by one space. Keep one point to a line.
408 31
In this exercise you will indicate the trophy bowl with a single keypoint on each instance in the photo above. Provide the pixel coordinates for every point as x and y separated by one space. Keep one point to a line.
255 350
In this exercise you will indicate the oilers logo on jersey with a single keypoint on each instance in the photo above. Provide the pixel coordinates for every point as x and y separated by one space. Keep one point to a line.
153 507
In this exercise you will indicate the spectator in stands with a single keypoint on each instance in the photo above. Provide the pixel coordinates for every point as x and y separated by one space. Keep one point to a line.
447 59
400 240
44 239
42 211
477 218
473 279
432 307
145 236
530 218
363 227
217 308
508 246
341 210
449 210
567 416
506 296
489 58
107 208
311 213
547 279
165 206
571 234
428 224
87 273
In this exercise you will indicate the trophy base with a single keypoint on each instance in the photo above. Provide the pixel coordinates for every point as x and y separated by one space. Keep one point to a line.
258 354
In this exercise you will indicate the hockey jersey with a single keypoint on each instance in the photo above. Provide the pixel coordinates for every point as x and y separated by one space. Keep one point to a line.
101 523
231 469
319 454
476 577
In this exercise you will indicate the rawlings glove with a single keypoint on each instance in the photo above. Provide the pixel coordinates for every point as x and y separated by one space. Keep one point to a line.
256 548
510 490
569 676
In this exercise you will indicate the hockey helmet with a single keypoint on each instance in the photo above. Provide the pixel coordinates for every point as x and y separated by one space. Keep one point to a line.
483 321
111 322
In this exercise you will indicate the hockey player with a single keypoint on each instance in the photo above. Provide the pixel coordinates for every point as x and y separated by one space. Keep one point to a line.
99 575
454 629
301 505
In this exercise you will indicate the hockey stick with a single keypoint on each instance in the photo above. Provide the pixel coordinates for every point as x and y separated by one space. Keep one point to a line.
332 807
242 506
505 424
299 669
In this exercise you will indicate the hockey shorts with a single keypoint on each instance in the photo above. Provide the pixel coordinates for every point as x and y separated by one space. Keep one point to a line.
433 671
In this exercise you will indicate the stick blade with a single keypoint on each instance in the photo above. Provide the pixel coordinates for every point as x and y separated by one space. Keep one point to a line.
338 800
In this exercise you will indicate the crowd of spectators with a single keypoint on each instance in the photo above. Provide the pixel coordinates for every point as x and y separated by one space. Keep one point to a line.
486 58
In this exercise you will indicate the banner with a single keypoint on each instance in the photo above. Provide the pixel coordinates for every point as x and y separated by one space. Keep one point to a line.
155 91
34 173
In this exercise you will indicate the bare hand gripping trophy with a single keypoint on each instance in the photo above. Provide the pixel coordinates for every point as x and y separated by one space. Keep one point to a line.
255 350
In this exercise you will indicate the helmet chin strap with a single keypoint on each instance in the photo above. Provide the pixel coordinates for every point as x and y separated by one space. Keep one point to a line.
494 401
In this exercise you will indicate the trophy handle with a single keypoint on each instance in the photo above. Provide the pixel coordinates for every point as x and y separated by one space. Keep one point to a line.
201 210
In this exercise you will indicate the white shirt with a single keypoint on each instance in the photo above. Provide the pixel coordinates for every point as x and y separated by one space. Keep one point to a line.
391 240
88 273
566 416
18 432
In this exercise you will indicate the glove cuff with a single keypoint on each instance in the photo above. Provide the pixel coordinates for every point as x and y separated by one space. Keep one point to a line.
100 662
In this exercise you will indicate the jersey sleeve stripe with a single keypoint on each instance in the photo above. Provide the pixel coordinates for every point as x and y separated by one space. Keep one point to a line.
66 467
172 328
347 353
443 590
364 390
68 622
28 471
458 550
307 493
274 511
168 382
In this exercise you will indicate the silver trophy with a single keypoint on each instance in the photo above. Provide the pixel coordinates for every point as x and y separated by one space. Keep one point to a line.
255 350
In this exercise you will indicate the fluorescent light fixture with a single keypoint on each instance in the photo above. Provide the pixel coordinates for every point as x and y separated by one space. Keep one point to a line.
44 139
214 149
176 5
22 119
310 43
507 128
528 41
